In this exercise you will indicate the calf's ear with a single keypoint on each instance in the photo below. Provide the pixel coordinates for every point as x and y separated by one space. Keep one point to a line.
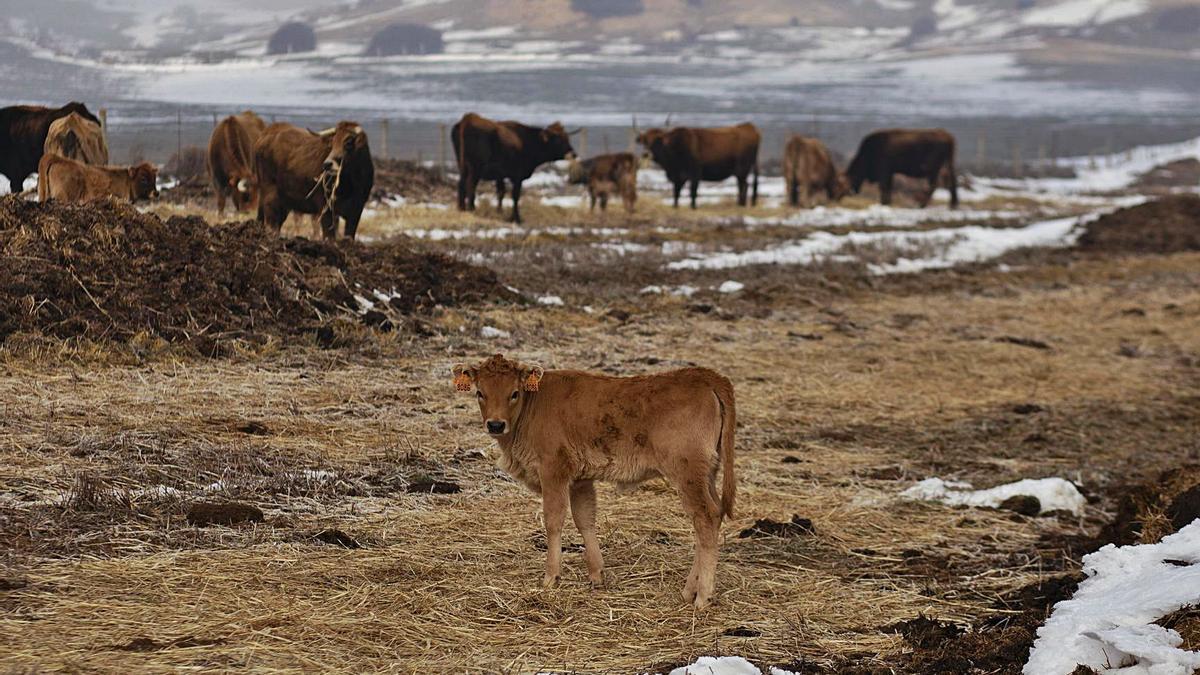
464 377
531 377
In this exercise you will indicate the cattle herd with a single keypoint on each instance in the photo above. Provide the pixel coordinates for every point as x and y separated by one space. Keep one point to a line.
280 169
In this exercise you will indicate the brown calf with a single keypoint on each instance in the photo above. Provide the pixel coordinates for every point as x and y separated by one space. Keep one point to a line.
605 174
808 168
559 431
71 181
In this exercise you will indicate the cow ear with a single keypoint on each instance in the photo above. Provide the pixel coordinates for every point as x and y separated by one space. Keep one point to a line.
464 377
531 377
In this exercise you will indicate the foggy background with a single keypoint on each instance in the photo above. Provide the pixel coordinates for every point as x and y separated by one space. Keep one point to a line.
1019 81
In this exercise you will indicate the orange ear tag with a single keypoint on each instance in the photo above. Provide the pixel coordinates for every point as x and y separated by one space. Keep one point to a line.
531 382
462 382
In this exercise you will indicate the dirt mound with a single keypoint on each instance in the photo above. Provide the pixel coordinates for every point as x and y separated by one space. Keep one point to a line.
107 272
412 181
1180 173
1167 225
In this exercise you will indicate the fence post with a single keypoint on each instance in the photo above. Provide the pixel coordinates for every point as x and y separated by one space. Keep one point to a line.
179 133
604 138
981 151
104 124
383 134
583 143
214 120
442 149
1018 169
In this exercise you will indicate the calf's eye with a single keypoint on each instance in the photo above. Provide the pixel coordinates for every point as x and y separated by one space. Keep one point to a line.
514 396
479 395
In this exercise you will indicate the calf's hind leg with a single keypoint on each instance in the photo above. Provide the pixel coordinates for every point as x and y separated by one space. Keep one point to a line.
583 511
696 493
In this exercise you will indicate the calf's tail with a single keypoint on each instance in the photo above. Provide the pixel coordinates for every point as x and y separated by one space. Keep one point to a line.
724 392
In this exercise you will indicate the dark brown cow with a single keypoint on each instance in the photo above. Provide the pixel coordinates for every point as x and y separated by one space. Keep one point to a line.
329 173
499 151
690 155
67 180
808 168
920 153
231 160
23 131
76 137
605 174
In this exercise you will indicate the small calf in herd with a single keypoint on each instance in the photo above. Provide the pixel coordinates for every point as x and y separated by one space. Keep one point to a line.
560 431
67 180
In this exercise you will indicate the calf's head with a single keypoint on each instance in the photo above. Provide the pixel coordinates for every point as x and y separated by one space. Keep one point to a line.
347 139
144 181
502 388
245 193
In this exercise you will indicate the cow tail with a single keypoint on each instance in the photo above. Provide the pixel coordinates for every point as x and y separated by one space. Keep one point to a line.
70 146
724 391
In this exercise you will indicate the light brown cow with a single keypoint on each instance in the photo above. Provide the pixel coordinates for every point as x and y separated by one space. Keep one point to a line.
606 174
67 180
559 431
231 160
77 137
807 169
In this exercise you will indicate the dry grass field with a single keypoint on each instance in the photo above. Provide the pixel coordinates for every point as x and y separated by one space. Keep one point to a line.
386 540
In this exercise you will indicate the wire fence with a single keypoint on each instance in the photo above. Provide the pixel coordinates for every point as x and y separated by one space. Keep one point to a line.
997 146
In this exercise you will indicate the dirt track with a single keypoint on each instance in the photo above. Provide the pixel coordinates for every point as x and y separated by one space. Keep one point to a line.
1079 364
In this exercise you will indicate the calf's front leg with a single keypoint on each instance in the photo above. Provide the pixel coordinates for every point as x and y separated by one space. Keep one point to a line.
554 510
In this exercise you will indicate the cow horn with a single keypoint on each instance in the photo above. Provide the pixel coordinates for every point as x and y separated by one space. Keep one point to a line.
243 186
635 126
574 131
326 133
668 122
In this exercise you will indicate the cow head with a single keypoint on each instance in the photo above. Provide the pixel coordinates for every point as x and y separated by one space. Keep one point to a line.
245 193
655 143
79 109
502 388
346 139
144 181
557 143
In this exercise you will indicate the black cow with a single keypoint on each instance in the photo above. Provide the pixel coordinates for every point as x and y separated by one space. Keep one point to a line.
920 153
23 131
499 151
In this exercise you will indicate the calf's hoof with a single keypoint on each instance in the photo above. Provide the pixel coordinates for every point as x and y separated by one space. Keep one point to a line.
597 581
550 581
702 601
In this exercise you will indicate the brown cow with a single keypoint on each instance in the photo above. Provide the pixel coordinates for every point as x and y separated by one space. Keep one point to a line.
605 174
499 151
690 155
67 180
231 160
76 137
23 131
329 173
559 431
808 168
920 153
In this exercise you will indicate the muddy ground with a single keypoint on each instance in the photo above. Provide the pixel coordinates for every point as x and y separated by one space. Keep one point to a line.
297 504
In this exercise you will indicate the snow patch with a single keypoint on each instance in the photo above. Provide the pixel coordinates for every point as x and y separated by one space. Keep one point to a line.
492 333
1055 494
1110 618
550 301
725 665
730 286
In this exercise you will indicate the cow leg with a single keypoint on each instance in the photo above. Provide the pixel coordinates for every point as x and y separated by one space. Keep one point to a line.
629 197
604 202
928 196
706 519
793 190
554 510
694 187
516 194
462 189
592 200
500 195
953 179
678 191
806 195
885 189
352 224
472 188
743 190
220 202
583 511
